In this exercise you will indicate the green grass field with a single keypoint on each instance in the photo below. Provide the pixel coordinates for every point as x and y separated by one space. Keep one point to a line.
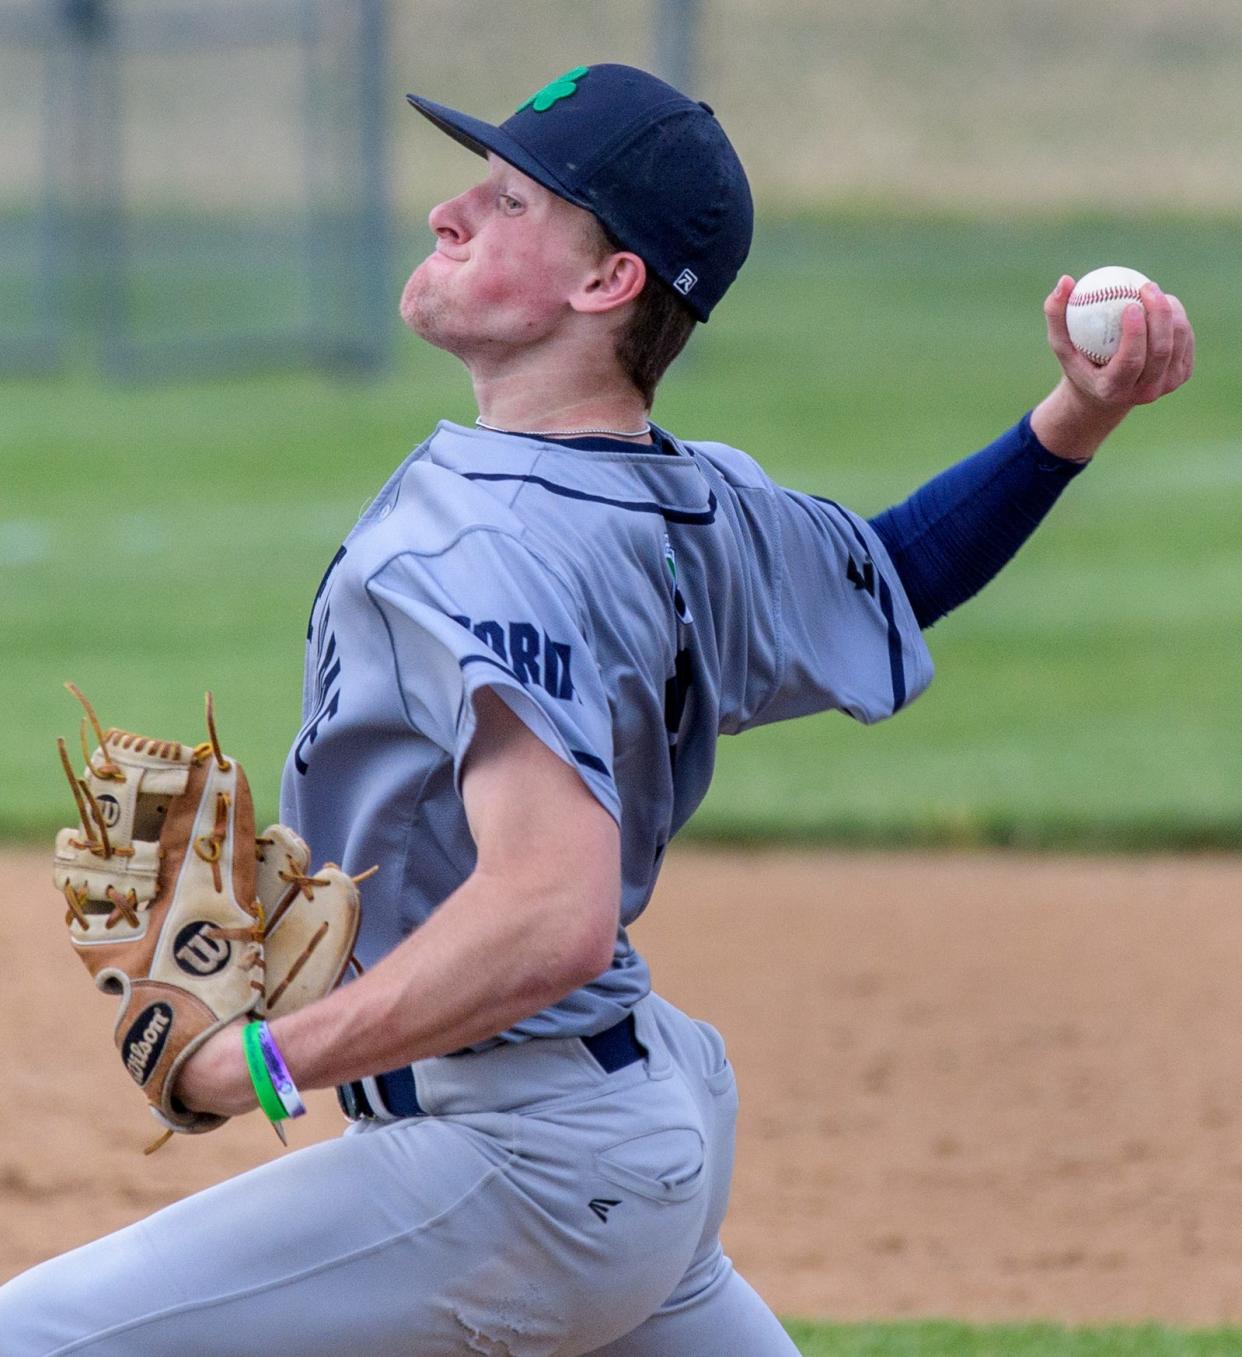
156 541
945 1339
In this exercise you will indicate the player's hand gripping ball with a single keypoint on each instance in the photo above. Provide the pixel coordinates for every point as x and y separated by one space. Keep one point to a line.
1121 340
1096 306
181 911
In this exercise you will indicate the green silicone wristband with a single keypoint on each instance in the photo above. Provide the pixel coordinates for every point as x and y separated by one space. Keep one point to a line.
269 1099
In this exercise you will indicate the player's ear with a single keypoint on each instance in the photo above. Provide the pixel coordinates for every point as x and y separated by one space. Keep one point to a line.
615 280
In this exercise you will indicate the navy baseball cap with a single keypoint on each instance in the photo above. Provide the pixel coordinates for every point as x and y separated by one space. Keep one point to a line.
654 166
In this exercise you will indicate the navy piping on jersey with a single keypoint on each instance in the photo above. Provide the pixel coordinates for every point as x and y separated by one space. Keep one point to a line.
896 665
490 659
661 442
699 517
323 583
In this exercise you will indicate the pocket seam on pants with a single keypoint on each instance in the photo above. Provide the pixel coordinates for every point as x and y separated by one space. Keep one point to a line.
653 1189
719 1081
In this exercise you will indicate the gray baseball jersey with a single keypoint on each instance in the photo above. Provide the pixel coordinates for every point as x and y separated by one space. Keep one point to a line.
630 606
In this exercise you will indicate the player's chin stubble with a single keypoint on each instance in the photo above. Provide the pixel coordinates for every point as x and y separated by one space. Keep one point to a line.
413 305
435 317
424 310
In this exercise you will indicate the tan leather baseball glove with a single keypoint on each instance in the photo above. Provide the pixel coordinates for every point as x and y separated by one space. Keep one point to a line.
182 912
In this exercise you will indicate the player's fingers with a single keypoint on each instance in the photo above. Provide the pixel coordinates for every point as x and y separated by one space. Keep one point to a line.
1058 299
1077 366
1182 363
1189 360
1181 337
1160 336
1120 375
1054 312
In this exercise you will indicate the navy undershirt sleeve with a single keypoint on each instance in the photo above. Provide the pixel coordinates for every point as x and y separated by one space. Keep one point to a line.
955 533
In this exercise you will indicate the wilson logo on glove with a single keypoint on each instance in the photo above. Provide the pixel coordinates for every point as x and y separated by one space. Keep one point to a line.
144 1042
177 907
110 809
199 950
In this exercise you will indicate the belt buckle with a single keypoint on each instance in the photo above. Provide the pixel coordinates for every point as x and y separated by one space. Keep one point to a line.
354 1102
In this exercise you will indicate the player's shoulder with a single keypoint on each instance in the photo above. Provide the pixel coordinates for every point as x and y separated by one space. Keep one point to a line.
553 492
430 503
435 523
736 468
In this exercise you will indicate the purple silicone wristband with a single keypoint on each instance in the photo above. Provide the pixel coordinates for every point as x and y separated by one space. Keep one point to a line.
282 1082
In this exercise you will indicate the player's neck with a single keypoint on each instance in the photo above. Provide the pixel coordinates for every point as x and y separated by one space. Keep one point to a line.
564 398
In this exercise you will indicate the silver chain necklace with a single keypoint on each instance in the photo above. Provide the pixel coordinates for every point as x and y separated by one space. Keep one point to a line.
566 433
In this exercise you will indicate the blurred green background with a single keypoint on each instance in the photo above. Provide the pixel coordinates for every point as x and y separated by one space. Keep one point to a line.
943 1338
924 173
160 540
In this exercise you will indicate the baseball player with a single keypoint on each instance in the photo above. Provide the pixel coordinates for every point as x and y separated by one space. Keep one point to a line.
519 662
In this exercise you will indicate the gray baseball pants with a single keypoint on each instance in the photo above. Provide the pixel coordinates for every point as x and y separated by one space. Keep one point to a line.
543 1208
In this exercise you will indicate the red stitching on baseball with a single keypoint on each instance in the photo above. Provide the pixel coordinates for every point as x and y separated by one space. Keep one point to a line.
1106 294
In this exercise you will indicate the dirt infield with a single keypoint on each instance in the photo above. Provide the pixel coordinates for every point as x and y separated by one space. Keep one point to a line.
984 1087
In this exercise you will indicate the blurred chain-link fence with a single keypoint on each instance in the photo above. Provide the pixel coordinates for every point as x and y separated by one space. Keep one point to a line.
205 184
1009 104
192 187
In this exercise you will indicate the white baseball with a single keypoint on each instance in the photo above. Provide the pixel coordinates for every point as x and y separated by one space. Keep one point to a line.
1096 305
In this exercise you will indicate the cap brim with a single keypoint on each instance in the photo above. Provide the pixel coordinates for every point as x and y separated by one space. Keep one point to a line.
480 137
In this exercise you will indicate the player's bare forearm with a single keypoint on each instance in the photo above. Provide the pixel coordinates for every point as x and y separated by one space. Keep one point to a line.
489 957
535 920
1155 357
486 959
1070 426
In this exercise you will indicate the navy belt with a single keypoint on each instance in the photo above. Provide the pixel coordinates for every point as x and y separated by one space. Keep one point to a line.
613 1049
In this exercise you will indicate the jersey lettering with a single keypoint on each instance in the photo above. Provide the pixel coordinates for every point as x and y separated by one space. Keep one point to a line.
863 579
529 651
556 668
327 694
323 584
492 634
524 643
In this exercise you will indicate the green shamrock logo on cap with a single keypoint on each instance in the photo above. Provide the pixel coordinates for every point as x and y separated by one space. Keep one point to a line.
560 88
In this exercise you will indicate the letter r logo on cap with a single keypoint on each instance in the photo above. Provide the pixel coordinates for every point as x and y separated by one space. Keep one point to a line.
685 280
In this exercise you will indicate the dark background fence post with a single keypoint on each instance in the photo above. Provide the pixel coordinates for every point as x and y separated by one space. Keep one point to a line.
151 221
677 42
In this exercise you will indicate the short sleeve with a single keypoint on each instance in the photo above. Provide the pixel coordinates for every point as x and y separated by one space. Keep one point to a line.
847 636
486 611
